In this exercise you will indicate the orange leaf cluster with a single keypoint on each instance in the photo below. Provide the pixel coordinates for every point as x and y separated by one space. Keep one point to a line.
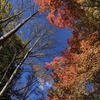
73 70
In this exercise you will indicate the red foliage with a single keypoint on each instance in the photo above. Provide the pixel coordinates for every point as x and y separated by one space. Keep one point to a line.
81 61
73 70
63 13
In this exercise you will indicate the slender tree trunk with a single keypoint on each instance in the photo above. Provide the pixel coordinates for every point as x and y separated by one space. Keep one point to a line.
9 18
9 34
15 71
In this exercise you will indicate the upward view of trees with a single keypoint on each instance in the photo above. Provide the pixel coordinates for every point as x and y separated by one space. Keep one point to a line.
19 54
27 41
76 73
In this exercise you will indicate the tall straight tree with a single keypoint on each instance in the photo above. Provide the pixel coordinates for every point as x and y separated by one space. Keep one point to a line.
8 49
14 53
40 46
6 21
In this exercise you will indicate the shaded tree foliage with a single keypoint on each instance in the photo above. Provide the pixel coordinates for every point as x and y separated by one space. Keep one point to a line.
8 50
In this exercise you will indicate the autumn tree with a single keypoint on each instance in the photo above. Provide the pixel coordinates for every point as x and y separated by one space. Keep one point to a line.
76 72
73 73
82 16
68 13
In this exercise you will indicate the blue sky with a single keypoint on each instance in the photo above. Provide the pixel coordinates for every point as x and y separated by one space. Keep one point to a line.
61 35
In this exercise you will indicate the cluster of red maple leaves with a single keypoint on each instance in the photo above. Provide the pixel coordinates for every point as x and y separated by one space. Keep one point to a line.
79 64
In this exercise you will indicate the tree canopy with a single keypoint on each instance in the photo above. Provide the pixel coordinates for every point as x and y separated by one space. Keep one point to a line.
78 67
75 74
